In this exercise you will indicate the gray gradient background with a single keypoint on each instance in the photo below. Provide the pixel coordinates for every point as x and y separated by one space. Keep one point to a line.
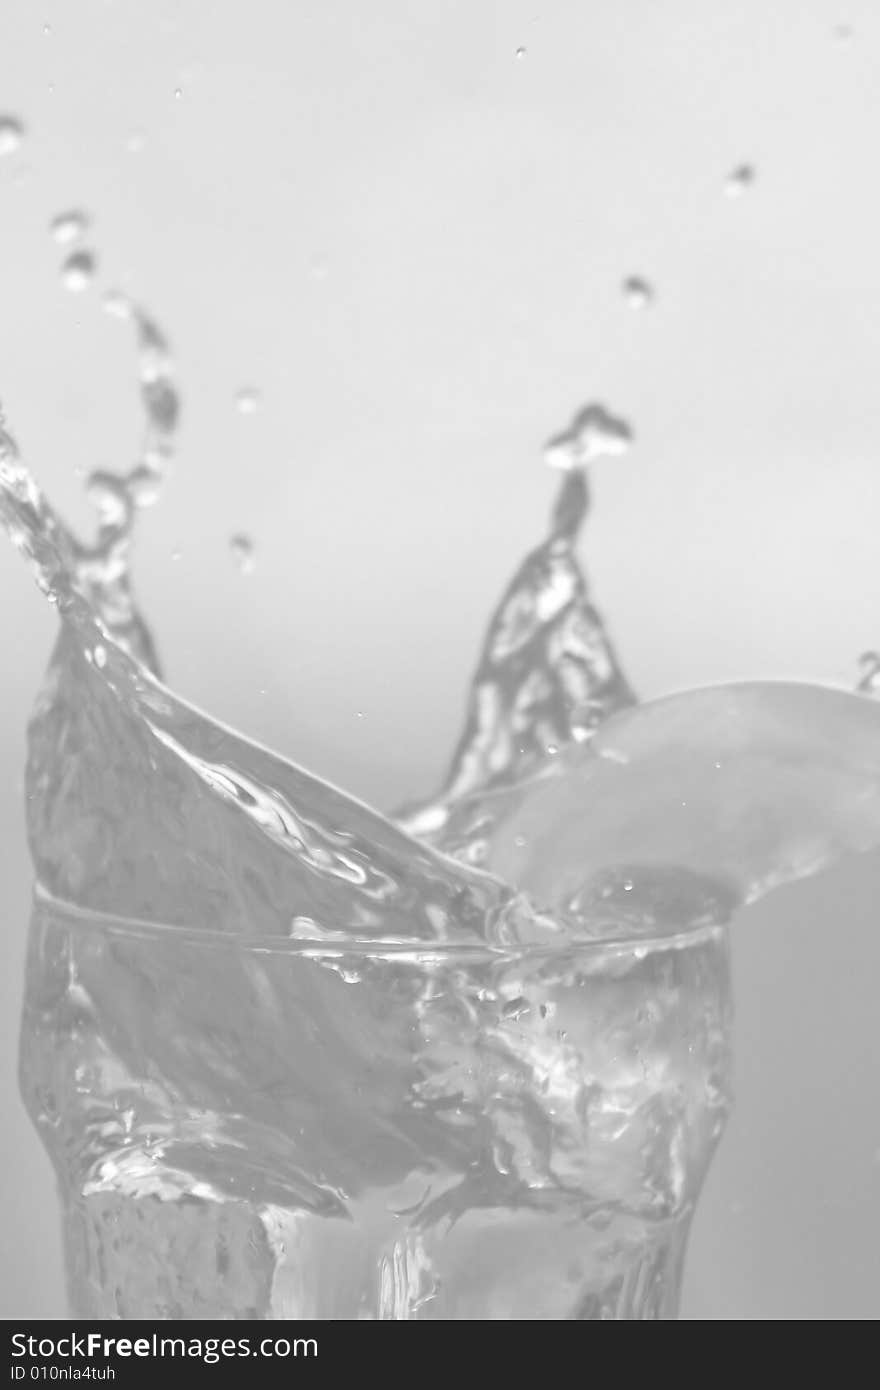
412 243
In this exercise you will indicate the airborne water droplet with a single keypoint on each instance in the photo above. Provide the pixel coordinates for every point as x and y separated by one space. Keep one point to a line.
739 180
69 226
593 432
11 134
637 292
78 271
117 304
242 550
248 400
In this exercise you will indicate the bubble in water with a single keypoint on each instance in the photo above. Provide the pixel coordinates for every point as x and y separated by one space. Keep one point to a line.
869 673
739 180
69 226
637 292
242 550
78 271
594 432
11 134
248 400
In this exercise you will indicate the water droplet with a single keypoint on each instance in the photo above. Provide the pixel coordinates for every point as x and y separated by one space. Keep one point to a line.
78 271
638 292
47 28
593 432
100 657
520 54
520 841
178 93
11 134
69 226
117 304
176 554
359 714
552 750
739 180
248 400
145 484
242 550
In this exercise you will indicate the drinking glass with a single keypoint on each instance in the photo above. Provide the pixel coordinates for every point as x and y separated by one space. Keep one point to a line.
268 1129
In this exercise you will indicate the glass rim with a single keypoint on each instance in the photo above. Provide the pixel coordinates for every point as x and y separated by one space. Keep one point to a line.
342 944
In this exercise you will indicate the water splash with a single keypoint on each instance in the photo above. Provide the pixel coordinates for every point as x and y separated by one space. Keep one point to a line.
690 806
300 858
219 832
548 674
93 582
